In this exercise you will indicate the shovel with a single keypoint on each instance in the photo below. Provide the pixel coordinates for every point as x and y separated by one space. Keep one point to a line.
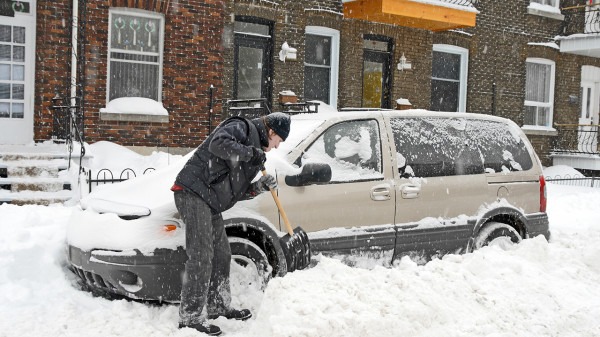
295 244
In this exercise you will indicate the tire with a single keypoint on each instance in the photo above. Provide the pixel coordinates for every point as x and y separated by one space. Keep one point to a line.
249 256
496 233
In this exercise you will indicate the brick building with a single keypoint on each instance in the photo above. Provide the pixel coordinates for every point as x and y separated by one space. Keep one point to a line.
517 59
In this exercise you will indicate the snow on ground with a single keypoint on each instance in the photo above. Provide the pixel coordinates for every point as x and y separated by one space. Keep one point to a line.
533 289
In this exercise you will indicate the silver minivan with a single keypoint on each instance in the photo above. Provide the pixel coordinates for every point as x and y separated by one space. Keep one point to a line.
391 183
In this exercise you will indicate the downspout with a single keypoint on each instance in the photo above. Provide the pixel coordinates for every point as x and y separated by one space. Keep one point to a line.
75 20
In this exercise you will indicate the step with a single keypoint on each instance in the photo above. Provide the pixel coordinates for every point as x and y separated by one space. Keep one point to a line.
35 198
34 184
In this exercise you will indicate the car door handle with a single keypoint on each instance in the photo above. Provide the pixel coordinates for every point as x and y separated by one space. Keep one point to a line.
380 193
409 191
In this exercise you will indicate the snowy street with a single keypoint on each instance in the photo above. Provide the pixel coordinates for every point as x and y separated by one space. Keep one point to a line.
534 289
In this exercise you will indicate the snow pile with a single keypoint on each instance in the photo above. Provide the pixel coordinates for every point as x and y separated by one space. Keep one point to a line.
136 106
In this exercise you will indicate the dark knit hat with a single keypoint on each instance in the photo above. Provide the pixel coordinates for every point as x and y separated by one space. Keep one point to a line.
280 123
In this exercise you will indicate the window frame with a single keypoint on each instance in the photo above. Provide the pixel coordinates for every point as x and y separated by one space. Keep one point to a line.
334 34
555 5
464 71
550 104
139 13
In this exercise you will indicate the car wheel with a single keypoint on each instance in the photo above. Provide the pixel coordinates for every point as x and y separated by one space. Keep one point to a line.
496 234
252 260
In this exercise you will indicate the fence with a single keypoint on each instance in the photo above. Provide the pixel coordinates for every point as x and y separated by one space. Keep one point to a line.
105 176
576 180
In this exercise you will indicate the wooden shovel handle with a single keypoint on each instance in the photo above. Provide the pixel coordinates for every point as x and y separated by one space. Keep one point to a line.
286 221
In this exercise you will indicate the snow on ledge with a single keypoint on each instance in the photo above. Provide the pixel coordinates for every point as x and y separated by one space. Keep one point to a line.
544 8
468 8
135 106
544 44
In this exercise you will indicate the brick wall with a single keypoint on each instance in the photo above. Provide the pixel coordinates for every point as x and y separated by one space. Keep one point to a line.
192 61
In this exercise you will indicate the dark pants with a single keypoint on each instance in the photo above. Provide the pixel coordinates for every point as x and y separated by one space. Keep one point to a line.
206 278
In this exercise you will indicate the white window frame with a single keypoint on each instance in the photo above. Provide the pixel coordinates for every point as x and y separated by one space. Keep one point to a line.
161 29
550 104
464 71
547 3
334 34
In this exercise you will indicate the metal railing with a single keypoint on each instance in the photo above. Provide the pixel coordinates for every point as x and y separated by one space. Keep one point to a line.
581 19
576 138
575 180
105 176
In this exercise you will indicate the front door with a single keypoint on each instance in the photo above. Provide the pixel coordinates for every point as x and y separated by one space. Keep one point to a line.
252 60
587 136
17 48
377 59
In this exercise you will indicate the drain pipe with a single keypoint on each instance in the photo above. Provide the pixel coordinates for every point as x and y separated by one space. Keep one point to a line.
75 19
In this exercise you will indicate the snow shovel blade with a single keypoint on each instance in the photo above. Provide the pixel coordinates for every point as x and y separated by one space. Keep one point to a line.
296 249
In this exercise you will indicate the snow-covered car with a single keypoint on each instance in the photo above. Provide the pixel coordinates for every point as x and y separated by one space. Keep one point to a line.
391 183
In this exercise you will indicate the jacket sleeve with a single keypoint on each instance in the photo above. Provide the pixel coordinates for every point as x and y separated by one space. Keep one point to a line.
253 191
227 142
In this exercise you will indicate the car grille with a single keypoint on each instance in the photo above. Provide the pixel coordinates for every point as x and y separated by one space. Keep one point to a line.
92 279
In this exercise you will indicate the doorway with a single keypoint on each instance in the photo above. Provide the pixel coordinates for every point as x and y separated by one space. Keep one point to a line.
252 59
17 61
587 136
377 59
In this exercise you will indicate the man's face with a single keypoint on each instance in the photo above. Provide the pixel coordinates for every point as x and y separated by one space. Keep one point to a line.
274 141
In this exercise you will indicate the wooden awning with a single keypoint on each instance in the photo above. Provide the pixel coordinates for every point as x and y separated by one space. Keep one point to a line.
427 15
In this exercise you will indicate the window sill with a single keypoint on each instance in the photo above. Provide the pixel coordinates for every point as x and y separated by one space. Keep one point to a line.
105 116
546 14
539 131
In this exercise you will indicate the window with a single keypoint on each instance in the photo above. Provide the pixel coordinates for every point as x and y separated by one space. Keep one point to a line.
135 54
352 149
321 64
434 147
377 59
12 71
449 78
252 59
539 92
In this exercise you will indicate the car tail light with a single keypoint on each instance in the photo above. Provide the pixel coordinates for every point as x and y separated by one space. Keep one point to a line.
543 196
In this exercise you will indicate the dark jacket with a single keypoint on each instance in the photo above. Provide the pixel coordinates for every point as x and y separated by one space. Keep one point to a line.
219 172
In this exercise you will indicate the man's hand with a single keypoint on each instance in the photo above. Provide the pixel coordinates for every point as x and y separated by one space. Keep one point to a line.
258 157
266 183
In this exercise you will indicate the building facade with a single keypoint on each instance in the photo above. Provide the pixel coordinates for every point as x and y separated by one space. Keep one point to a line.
532 61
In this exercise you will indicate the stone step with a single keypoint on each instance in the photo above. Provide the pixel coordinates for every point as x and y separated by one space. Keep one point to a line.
35 198
35 184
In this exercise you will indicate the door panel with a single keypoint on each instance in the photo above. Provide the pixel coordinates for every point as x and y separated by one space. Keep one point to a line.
356 209
17 46
587 137
252 69
376 80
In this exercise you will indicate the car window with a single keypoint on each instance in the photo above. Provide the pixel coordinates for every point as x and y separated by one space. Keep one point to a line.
352 149
434 146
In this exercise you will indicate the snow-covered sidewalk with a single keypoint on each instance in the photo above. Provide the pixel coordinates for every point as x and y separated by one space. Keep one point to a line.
535 289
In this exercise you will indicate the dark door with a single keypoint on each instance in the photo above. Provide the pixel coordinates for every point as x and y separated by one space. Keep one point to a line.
252 67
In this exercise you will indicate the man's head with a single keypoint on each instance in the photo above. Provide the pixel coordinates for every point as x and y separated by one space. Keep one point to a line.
278 129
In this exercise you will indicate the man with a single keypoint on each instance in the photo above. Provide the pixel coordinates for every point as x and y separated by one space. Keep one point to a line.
218 175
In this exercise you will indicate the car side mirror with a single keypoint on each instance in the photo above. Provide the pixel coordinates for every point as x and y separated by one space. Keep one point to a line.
312 173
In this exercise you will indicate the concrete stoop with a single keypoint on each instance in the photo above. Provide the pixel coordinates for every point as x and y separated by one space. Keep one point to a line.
32 174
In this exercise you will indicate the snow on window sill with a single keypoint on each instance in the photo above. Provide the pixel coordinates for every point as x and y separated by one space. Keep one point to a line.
545 11
134 109
539 130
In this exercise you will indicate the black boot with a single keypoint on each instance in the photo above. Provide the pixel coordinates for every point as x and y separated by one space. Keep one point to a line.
204 327
240 315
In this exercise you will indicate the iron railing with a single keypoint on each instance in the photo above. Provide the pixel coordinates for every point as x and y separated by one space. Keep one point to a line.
575 180
581 19
576 138
105 176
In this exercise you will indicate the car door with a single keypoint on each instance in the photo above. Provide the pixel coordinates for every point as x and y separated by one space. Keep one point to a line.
440 184
354 210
